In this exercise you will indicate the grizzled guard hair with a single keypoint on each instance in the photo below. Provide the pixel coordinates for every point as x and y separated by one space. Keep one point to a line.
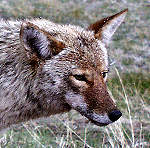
48 68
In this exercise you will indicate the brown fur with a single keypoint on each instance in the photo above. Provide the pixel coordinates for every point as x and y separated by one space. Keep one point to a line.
47 68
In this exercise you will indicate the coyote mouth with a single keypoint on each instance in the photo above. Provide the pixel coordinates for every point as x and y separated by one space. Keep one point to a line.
99 120
97 123
77 103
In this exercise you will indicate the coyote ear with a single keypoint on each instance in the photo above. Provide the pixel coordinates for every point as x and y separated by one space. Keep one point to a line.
39 42
105 28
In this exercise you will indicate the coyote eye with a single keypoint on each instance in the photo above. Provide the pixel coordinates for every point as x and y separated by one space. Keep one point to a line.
104 74
80 78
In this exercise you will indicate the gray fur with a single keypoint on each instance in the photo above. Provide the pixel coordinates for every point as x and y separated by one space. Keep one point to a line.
35 83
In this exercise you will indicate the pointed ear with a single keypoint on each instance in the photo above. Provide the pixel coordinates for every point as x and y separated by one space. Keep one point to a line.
105 28
38 42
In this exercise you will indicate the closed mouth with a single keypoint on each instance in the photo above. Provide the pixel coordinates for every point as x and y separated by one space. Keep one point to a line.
99 120
98 123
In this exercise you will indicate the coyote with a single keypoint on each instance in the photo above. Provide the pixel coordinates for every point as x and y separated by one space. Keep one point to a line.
48 68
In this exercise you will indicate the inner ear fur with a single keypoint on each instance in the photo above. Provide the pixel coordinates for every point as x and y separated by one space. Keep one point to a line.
105 28
38 42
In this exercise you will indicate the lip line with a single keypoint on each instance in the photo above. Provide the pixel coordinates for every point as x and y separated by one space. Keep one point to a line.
100 120
93 116
98 123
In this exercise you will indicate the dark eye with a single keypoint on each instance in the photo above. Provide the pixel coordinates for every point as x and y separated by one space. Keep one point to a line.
80 78
104 74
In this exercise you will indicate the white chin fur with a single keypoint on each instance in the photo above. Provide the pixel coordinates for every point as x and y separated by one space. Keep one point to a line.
101 119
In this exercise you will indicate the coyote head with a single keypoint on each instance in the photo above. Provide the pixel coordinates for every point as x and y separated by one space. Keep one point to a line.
71 65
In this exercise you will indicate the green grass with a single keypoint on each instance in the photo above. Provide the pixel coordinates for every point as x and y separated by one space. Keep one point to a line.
130 87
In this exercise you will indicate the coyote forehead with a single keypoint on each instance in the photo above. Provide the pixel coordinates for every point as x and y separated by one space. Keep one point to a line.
78 40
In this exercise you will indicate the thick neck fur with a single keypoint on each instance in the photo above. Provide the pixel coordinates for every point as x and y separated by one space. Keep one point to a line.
22 93
14 84
22 96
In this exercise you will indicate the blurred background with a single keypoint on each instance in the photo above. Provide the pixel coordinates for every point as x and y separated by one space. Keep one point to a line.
128 82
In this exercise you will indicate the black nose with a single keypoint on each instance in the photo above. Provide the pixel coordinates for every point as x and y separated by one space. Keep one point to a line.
114 115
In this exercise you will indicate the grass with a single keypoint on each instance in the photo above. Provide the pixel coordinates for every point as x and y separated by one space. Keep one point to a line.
129 81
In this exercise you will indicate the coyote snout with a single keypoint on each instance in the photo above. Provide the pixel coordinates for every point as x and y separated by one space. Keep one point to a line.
47 68
91 98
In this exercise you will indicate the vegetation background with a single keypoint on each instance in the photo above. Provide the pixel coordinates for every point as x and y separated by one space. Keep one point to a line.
128 82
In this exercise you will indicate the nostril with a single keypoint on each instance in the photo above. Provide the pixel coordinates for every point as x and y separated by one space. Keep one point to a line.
114 115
